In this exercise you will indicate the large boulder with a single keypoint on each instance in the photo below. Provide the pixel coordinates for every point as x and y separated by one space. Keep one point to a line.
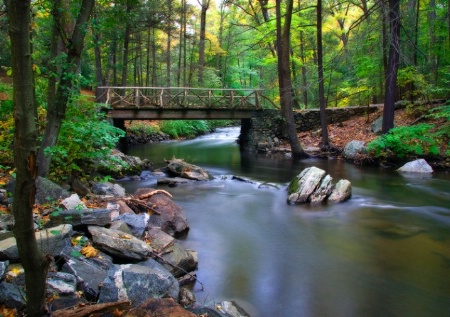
108 188
182 169
118 164
353 149
304 184
50 241
313 185
341 191
47 191
417 166
89 272
81 217
167 214
137 223
12 295
137 283
118 244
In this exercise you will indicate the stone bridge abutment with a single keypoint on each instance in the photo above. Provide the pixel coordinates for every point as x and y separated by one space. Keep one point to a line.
264 130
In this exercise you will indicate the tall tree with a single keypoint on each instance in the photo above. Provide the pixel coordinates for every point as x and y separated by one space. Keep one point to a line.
284 77
201 47
25 136
56 113
393 64
322 105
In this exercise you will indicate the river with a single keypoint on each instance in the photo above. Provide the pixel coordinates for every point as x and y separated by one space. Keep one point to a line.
385 252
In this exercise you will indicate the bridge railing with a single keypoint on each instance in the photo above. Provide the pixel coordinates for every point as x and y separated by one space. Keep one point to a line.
181 97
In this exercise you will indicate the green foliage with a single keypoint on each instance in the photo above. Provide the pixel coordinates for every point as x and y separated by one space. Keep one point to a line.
402 141
6 125
85 136
140 128
184 128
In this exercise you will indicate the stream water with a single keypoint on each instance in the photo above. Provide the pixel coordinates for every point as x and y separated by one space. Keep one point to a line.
385 252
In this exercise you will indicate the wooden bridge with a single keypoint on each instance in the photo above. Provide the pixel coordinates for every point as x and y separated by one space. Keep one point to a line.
163 103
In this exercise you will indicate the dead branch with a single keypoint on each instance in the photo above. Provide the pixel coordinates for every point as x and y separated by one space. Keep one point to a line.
158 191
97 309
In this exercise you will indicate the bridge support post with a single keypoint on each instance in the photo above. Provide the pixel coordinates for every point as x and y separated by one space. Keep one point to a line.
245 135
123 144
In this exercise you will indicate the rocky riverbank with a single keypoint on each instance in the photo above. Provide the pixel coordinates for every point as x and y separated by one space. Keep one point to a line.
110 250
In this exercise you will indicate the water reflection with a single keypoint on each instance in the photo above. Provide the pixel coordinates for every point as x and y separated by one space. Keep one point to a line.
385 252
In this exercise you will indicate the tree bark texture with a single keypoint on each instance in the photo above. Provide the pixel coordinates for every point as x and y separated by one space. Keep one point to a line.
25 136
284 78
56 114
393 63
201 46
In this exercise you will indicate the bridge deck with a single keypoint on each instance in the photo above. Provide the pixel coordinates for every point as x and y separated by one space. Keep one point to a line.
144 103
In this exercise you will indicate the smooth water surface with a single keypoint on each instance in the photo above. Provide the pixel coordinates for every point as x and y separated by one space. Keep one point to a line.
385 252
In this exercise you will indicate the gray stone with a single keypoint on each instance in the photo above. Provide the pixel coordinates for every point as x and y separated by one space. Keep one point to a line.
47 191
98 217
341 191
377 125
81 188
3 268
121 226
417 166
89 272
233 310
6 222
159 240
50 241
136 223
13 296
178 260
72 202
118 244
304 185
353 149
108 188
185 170
137 283
167 214
323 191
61 284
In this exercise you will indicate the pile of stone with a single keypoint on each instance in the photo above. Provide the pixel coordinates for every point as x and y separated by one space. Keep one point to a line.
313 185
125 253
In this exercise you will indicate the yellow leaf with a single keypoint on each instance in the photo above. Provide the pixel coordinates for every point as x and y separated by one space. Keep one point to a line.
124 236
89 251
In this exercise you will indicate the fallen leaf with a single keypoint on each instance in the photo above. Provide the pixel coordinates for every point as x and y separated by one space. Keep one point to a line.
89 251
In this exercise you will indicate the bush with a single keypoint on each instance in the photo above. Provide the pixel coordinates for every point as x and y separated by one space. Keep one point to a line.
84 138
140 128
402 141
184 128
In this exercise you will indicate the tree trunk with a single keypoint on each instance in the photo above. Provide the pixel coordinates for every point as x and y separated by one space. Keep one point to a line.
25 136
168 47
201 47
56 115
322 105
393 62
98 53
126 45
284 78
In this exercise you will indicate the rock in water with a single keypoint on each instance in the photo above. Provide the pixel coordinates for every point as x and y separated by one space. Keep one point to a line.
304 185
182 169
313 185
417 166
341 192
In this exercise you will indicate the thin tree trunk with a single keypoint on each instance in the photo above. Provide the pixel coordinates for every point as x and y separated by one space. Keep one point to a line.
323 116
126 45
56 115
98 53
25 136
394 58
201 47
168 46
284 78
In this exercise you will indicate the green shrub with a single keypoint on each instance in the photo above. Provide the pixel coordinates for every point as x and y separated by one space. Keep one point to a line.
85 137
184 128
140 128
402 141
